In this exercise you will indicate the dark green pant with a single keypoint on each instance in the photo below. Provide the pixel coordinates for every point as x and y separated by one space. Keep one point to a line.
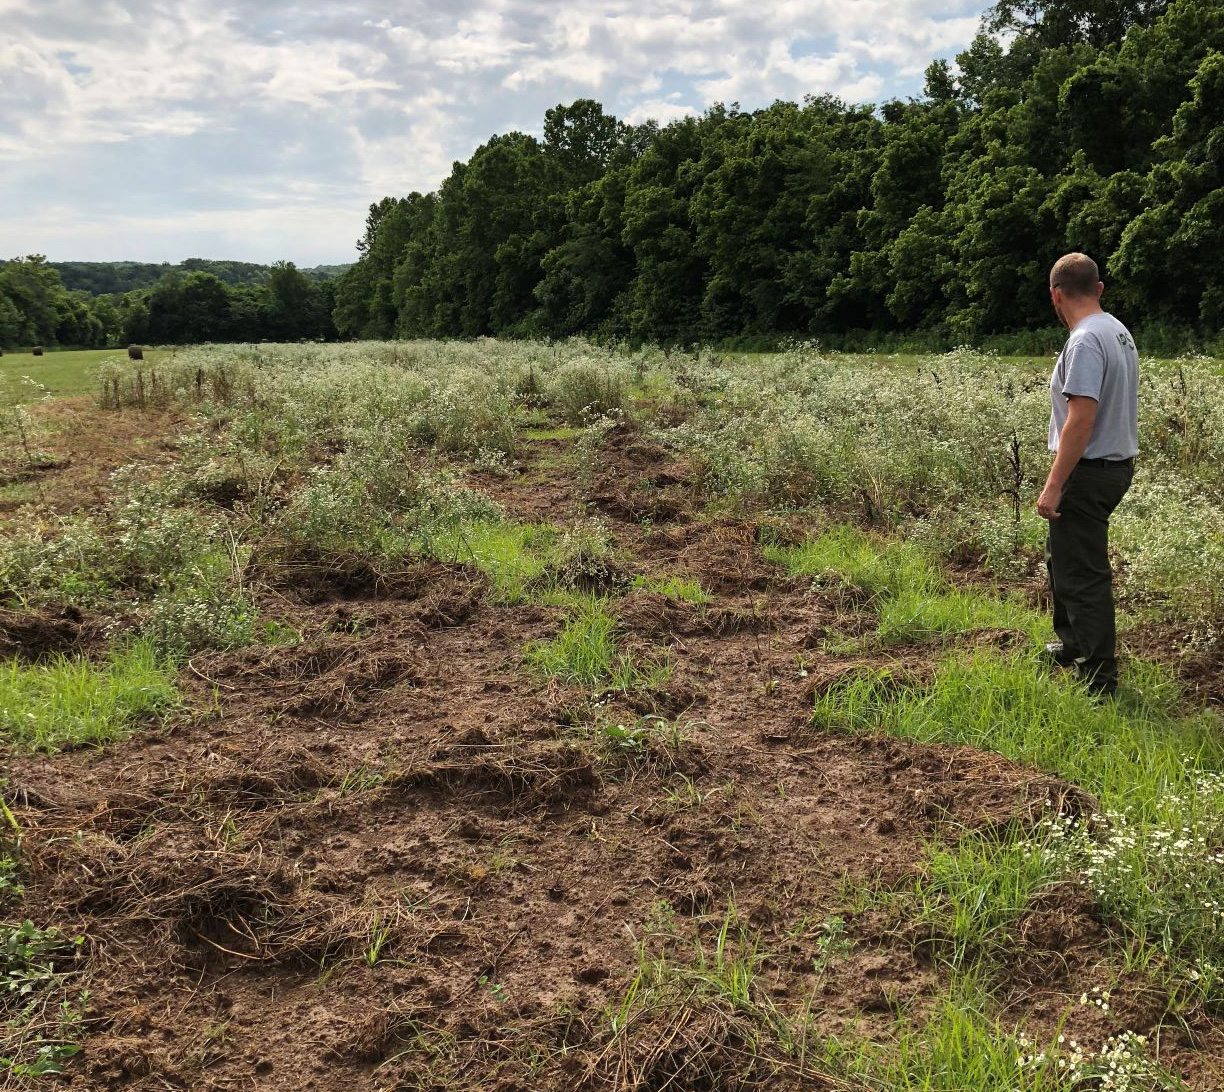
1081 579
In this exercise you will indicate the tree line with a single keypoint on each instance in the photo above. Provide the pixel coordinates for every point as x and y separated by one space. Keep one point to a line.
1090 125
110 278
182 307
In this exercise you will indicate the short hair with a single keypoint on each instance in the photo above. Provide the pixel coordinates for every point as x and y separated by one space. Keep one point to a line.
1076 274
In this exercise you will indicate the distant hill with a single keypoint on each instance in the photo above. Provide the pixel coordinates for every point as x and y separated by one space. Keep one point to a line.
102 278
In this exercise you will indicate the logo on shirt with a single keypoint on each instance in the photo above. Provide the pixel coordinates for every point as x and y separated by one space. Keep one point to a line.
1125 341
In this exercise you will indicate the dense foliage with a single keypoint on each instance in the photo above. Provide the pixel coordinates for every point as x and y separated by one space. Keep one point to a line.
1067 124
108 278
286 304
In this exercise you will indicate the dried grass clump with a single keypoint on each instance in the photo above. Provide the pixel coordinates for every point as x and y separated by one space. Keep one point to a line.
516 774
318 678
190 907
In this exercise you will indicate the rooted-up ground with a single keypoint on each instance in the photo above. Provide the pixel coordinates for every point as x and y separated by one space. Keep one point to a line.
75 450
394 855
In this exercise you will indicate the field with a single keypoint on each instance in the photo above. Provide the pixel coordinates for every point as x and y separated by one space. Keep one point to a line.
492 715
58 373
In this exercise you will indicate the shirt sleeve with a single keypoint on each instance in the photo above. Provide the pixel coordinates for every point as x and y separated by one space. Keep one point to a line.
1084 368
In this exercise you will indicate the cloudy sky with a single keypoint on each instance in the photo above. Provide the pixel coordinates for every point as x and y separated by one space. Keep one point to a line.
156 130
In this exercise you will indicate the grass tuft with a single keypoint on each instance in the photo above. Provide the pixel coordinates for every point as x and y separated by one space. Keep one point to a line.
674 587
586 652
512 555
69 701
846 557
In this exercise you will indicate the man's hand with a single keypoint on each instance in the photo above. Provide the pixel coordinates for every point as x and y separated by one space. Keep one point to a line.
1073 441
1047 503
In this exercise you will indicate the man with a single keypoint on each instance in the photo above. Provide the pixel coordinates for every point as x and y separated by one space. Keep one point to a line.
1094 433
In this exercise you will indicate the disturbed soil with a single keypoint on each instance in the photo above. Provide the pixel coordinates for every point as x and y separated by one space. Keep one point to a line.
75 448
392 857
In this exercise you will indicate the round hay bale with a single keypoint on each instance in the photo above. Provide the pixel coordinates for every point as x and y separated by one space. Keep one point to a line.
37 350
135 352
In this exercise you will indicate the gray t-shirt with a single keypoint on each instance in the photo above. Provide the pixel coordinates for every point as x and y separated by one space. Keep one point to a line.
1099 361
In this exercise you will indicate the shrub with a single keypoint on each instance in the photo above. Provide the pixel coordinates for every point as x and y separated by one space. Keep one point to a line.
70 562
587 389
202 607
361 505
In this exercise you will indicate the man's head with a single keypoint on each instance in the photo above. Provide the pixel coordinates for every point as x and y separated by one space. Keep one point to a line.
1075 287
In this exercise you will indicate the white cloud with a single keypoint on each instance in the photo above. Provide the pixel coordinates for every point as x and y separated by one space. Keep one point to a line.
660 110
153 123
255 233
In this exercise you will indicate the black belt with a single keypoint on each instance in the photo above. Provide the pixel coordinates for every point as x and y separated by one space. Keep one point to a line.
1107 462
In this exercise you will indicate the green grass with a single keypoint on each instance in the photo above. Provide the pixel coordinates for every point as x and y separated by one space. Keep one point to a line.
719 982
586 652
1130 753
63 373
846 557
674 587
17 493
971 893
913 615
960 1048
513 555
526 562
957 1048
915 601
561 432
654 386
69 701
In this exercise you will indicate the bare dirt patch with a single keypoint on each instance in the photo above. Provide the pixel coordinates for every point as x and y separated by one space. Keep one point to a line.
1201 671
641 480
84 445
36 634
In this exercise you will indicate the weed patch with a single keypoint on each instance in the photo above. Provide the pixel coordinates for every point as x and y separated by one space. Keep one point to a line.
40 1024
203 607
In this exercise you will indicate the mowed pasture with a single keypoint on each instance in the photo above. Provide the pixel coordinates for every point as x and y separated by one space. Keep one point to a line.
26 378
434 715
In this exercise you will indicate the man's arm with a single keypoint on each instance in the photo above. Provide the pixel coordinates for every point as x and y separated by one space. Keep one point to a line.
1072 443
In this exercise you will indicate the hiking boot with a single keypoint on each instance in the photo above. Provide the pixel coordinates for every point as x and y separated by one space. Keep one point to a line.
1055 654
1100 693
